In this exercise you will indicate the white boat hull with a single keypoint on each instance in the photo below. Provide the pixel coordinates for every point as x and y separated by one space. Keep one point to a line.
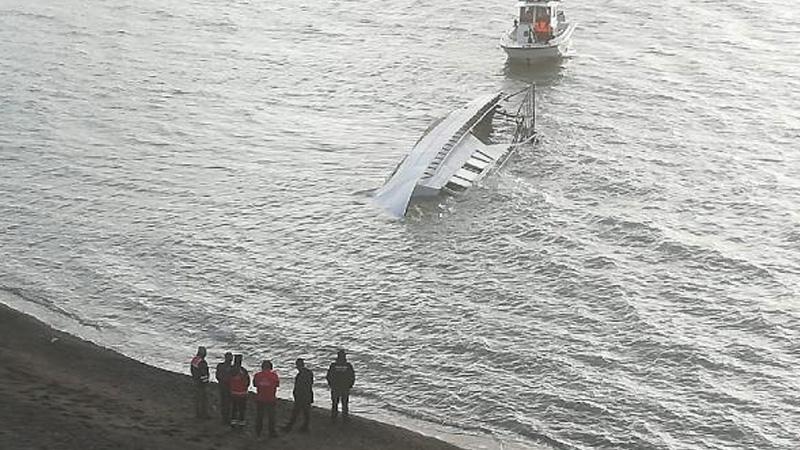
553 49
532 54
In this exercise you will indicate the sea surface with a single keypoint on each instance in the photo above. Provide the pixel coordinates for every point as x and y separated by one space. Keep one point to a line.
175 173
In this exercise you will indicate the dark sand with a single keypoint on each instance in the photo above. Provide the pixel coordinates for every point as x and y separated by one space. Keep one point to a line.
61 392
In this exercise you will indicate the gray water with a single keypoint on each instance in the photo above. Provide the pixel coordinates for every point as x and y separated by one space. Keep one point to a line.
175 173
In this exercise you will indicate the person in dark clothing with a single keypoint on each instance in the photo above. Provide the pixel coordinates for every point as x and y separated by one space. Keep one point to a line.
341 378
303 396
238 383
266 382
223 375
199 369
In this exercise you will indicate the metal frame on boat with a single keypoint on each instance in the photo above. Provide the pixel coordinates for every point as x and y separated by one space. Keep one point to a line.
457 151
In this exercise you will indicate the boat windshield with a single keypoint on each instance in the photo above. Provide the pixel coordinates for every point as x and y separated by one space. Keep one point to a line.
532 14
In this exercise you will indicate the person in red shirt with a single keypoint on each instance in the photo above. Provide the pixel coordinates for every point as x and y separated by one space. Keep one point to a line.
542 29
266 382
238 383
199 369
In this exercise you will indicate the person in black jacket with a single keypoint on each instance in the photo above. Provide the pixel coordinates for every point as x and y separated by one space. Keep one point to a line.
341 378
199 369
223 375
303 396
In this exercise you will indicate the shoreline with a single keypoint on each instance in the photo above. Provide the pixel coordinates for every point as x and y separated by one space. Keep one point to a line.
62 392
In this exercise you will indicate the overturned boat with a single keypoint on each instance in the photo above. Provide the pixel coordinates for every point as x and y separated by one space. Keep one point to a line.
457 151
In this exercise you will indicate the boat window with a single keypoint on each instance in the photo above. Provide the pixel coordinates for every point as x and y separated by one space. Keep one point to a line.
526 15
543 14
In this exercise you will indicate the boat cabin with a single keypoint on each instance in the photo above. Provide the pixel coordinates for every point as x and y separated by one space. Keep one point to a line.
538 20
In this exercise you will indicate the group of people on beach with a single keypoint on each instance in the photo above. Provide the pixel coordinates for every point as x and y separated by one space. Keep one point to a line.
234 381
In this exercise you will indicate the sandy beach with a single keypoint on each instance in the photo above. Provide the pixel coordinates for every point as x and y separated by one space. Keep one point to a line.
61 392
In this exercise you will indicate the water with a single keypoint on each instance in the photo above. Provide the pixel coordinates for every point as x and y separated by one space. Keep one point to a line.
185 172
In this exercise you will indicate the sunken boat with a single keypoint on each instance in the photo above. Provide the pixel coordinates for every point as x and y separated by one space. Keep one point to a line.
459 150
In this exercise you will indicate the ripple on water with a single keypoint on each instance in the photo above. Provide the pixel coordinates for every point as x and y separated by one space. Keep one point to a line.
175 174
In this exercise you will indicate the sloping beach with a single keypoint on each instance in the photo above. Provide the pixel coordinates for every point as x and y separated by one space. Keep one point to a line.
61 392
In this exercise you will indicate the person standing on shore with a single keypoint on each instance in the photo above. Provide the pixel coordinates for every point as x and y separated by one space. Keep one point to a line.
223 375
266 382
239 382
341 376
199 370
303 396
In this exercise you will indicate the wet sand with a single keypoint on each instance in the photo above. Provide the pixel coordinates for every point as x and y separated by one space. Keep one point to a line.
60 392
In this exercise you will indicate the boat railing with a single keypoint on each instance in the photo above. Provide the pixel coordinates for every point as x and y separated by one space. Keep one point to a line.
525 119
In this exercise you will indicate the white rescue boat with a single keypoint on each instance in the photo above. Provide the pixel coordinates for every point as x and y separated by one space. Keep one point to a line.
540 32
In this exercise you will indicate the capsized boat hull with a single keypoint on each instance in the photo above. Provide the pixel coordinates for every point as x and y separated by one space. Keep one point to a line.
414 175
456 152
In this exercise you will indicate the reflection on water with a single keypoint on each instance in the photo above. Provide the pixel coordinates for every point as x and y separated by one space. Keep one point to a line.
543 73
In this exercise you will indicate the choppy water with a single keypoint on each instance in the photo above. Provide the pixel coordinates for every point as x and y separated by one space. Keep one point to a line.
183 172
